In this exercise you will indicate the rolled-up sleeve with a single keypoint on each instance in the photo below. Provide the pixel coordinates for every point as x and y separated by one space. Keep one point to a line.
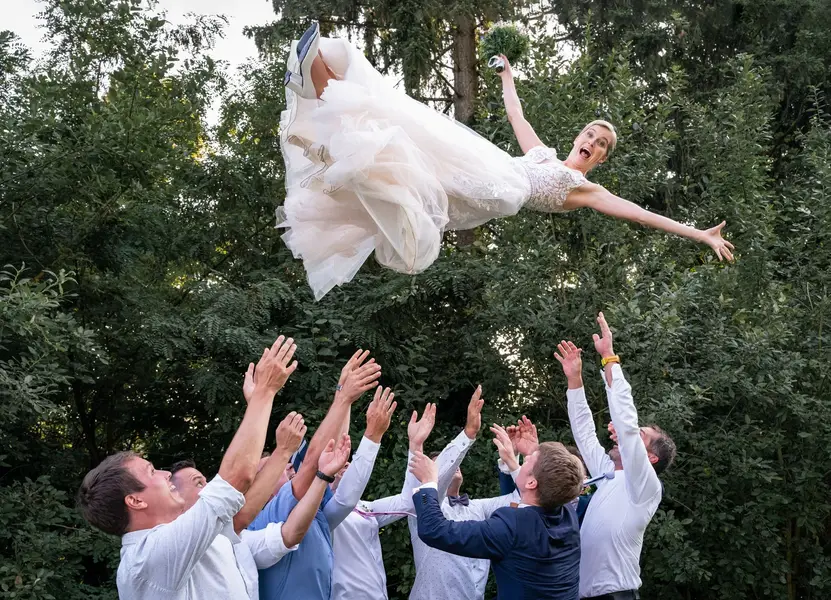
266 545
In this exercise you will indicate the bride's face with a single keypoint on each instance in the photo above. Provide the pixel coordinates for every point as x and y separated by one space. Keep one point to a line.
591 148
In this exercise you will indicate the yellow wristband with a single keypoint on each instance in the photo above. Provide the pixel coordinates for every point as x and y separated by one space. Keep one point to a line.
610 359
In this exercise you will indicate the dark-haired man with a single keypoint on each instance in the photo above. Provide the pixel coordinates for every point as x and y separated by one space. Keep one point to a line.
621 508
163 542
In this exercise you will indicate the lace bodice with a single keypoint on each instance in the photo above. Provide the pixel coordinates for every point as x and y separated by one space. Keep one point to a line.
551 181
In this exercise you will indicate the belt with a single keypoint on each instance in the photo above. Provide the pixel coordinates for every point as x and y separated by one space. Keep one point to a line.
625 595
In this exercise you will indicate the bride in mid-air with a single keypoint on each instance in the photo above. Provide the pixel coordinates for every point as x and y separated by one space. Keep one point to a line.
370 169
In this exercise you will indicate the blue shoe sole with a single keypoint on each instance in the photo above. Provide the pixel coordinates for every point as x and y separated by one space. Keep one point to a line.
306 41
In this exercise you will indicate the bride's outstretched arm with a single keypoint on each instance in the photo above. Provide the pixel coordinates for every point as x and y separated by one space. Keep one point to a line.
591 195
525 134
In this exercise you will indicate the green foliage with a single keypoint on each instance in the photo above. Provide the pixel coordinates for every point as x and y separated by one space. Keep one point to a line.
49 547
146 273
507 40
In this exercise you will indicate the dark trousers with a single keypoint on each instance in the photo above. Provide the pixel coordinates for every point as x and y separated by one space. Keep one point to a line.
627 595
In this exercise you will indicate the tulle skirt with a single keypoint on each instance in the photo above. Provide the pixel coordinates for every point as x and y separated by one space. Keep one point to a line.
370 169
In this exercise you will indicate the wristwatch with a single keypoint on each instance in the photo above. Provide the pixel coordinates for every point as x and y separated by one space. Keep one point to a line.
610 359
325 477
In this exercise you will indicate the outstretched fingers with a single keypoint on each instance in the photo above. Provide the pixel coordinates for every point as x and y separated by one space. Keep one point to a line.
388 400
500 434
604 326
286 351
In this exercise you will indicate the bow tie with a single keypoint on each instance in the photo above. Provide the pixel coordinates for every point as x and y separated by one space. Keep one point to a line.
454 500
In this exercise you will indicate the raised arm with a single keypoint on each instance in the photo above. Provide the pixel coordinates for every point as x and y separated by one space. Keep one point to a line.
642 482
331 460
357 475
239 464
418 430
591 195
525 134
356 378
492 538
453 454
289 434
579 414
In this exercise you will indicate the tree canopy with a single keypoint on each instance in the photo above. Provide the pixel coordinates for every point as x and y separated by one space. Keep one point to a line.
143 269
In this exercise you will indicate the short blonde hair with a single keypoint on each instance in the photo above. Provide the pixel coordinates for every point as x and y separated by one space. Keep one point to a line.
607 125
559 475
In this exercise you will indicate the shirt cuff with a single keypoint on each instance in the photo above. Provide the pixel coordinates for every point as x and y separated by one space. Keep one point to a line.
576 394
367 447
462 440
274 541
430 485
617 373
222 497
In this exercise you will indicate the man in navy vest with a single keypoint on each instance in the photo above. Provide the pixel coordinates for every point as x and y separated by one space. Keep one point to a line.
534 548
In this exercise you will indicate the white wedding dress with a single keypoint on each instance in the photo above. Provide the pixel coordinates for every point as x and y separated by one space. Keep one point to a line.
370 169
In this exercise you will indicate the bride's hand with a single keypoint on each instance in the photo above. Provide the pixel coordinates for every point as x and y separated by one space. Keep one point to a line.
712 237
506 73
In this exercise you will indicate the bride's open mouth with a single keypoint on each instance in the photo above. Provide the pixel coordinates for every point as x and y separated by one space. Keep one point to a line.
584 152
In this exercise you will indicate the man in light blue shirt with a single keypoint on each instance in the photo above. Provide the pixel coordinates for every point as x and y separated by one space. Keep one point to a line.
313 558
306 574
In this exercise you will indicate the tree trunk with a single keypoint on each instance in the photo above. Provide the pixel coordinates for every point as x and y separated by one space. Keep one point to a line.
465 83
464 68
87 425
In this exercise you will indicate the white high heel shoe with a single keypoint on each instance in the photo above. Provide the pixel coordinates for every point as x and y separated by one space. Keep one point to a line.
301 82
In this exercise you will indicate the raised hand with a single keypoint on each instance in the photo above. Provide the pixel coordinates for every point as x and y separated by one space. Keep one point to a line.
290 433
506 72
356 361
612 432
712 237
334 457
571 360
418 430
526 440
505 447
272 371
424 469
248 384
513 435
379 414
474 414
603 342
357 377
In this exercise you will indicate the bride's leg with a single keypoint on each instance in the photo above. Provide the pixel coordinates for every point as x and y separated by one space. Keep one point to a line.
321 74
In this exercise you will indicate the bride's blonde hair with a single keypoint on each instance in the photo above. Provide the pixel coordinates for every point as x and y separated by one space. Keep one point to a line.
607 125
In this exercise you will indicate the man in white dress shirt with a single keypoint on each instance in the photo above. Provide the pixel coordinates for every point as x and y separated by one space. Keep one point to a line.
163 544
621 508
359 572
255 550
440 574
